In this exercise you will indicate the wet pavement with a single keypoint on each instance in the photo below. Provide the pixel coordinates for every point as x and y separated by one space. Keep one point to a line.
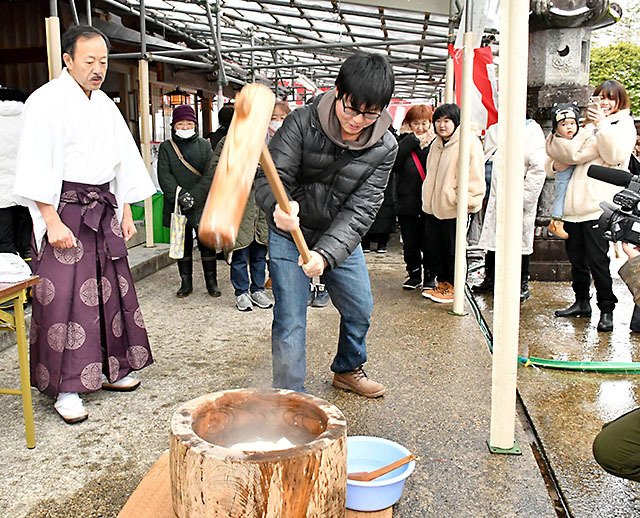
437 369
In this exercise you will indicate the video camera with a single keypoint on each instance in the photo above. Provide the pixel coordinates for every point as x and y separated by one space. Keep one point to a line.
620 223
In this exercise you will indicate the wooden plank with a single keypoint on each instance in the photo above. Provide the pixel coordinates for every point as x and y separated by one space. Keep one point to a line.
9 289
152 497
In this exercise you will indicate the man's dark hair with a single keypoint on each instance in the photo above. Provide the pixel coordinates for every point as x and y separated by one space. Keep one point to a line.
367 79
12 94
225 114
71 37
448 111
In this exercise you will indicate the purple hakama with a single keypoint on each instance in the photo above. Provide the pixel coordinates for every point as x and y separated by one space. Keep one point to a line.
86 318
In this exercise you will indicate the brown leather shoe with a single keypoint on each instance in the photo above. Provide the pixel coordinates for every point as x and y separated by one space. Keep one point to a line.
358 382
556 227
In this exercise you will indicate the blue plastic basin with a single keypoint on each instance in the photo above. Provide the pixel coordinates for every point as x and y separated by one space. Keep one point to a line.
370 453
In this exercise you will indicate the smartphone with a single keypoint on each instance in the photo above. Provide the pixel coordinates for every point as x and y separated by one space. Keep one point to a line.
594 101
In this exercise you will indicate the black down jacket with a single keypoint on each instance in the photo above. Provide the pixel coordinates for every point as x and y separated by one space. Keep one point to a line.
335 211
408 182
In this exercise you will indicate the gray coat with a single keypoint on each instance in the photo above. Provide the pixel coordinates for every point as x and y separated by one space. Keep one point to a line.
534 176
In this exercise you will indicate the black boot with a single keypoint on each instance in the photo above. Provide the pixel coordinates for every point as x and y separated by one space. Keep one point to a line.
489 274
524 291
606 321
580 308
210 273
635 319
185 267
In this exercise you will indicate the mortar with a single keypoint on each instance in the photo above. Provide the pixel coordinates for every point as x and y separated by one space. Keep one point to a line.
211 478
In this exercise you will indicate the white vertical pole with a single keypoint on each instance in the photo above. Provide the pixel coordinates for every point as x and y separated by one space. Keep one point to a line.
448 78
145 139
460 273
448 81
54 51
514 36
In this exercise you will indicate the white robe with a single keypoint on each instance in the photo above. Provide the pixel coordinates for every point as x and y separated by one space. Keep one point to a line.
67 136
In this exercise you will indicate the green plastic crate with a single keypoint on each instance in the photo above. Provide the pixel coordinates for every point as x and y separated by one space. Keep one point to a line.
160 233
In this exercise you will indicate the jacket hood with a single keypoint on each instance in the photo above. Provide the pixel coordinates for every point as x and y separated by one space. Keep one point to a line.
11 108
325 106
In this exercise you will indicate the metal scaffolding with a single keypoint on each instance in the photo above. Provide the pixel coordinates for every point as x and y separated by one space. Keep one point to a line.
239 40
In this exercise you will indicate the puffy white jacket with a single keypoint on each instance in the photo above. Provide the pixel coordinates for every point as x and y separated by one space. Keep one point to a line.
612 139
10 124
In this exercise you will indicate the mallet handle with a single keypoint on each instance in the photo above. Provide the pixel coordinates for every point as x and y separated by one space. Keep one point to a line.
281 197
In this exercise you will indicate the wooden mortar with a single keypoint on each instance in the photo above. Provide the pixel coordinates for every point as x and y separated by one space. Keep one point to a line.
209 479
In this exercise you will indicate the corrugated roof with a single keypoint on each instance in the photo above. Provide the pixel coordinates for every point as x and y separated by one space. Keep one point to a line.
311 37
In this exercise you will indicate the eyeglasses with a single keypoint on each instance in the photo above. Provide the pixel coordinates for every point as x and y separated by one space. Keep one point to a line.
352 112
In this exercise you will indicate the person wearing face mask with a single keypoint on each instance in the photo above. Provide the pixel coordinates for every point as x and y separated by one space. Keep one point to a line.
280 111
609 137
185 161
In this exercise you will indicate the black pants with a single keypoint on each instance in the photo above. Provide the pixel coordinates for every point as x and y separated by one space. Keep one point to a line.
490 266
617 447
15 230
188 245
440 244
587 250
412 232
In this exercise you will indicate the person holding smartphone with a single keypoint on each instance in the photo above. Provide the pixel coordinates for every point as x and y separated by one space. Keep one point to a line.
611 135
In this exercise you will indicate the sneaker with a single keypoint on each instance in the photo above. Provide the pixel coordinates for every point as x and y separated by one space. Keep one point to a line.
261 299
411 283
358 382
126 384
244 303
321 297
442 293
70 407
382 249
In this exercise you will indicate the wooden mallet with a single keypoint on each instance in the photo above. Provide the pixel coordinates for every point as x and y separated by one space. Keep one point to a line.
244 146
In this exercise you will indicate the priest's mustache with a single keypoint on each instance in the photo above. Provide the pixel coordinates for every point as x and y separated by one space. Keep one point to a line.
96 77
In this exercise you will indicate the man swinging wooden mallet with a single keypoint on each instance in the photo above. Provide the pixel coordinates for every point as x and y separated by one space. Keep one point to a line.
333 159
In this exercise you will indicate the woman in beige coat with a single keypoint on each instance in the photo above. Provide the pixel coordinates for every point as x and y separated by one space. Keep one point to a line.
612 136
439 197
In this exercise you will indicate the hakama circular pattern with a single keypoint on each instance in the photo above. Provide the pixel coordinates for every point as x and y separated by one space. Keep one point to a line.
116 325
57 336
91 376
137 318
114 368
76 335
45 291
124 285
42 377
33 332
106 289
137 356
89 292
115 226
69 255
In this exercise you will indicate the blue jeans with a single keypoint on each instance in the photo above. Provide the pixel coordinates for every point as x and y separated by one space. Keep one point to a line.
562 182
256 255
350 291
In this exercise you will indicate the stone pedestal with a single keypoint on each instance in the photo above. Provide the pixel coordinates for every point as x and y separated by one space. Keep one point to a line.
558 73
